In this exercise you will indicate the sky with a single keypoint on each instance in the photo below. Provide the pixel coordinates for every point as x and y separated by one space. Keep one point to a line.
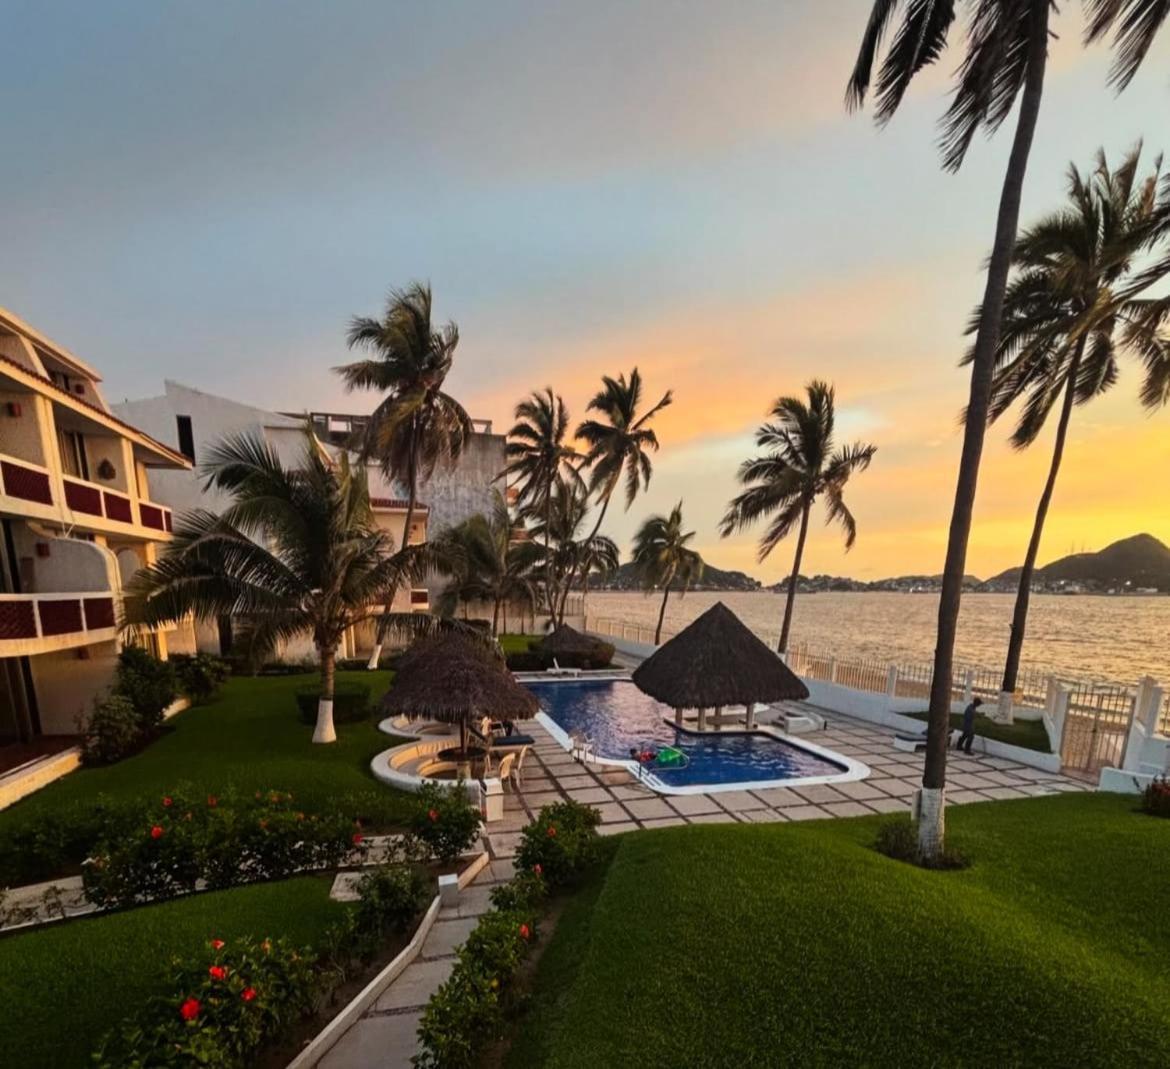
207 192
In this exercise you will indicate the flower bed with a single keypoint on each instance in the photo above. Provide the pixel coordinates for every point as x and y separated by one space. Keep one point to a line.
470 1007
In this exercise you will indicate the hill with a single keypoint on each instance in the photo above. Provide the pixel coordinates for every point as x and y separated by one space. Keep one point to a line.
625 578
1139 562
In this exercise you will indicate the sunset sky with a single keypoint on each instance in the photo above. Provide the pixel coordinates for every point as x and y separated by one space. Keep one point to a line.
208 191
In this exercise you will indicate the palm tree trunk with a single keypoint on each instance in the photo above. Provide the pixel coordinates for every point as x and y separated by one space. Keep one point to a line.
573 571
549 594
790 599
661 613
1023 593
930 800
324 731
496 616
411 499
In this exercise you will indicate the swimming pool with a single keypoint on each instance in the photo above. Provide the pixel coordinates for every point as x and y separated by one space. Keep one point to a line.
620 718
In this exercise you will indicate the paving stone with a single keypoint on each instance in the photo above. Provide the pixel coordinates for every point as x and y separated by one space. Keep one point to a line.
780 797
890 805
847 809
665 822
962 797
500 870
633 791
445 936
692 804
538 800
860 791
805 812
612 813
569 783
738 801
415 986
387 1040
1004 792
617 829
590 795
648 808
713 818
505 843
765 816
819 792
896 788
615 776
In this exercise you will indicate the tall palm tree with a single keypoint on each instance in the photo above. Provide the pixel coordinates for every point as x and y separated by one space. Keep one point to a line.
491 565
598 556
1073 303
538 455
416 426
296 553
1006 58
800 466
662 557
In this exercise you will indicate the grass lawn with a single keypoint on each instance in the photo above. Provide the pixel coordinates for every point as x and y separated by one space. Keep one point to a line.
517 643
63 987
250 738
1031 734
798 944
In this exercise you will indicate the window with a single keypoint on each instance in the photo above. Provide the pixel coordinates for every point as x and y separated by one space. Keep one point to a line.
186 437
73 459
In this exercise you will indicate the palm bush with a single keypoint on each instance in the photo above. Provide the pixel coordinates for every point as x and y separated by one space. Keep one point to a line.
663 557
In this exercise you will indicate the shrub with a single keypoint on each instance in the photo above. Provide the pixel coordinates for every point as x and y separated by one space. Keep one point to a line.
389 898
898 839
163 851
443 822
200 675
148 683
1156 797
563 841
112 731
351 702
221 1006
537 659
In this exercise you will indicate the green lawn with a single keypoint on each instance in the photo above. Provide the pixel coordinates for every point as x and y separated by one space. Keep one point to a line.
63 987
249 738
517 643
1031 734
798 944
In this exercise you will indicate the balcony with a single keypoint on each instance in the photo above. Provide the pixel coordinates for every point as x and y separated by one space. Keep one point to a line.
93 500
40 623
26 481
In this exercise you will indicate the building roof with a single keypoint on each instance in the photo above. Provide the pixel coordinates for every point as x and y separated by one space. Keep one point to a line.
716 661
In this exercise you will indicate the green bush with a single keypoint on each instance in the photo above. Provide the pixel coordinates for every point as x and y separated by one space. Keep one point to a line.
1156 797
148 683
538 659
351 702
200 675
898 839
225 841
443 822
562 841
112 731
220 1008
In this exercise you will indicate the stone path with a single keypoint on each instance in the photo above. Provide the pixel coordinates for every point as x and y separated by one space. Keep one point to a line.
551 775
385 1036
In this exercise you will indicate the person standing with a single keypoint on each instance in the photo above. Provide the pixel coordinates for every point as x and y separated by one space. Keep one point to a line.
967 735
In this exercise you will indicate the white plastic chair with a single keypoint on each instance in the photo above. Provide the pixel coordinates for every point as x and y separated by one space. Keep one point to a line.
504 771
517 767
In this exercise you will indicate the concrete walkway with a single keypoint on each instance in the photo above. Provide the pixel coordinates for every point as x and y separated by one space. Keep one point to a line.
385 1036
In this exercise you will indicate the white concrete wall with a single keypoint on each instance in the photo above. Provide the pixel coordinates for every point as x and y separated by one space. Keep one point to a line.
72 565
67 682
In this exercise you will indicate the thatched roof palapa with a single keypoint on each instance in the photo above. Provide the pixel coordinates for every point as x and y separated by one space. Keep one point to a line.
455 679
566 639
716 661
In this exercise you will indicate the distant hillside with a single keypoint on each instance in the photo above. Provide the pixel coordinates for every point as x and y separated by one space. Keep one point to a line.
1138 562
713 579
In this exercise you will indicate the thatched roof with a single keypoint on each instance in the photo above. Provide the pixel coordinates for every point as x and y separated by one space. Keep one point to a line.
455 679
566 639
717 661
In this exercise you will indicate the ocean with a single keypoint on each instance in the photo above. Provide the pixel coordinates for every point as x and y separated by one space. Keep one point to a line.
1082 636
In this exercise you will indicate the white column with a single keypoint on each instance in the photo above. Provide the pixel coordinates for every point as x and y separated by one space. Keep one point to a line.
892 686
969 685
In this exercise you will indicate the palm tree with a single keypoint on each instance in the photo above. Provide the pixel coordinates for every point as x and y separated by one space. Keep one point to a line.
416 426
1134 25
1074 302
297 552
598 556
537 456
491 564
800 466
662 556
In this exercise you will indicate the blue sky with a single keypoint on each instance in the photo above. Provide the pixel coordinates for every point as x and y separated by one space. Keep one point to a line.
208 191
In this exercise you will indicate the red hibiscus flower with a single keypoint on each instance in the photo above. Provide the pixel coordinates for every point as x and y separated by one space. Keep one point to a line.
189 1010
156 832
524 931
433 814
537 869
552 831
248 994
217 972
212 801
217 944
357 838
168 801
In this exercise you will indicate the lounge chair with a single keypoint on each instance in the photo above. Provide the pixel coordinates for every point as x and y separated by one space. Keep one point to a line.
504 772
557 670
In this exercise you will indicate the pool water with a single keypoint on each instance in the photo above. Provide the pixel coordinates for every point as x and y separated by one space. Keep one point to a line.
619 717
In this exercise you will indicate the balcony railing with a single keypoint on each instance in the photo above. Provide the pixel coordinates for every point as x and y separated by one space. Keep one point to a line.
419 597
33 616
93 500
155 516
26 481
